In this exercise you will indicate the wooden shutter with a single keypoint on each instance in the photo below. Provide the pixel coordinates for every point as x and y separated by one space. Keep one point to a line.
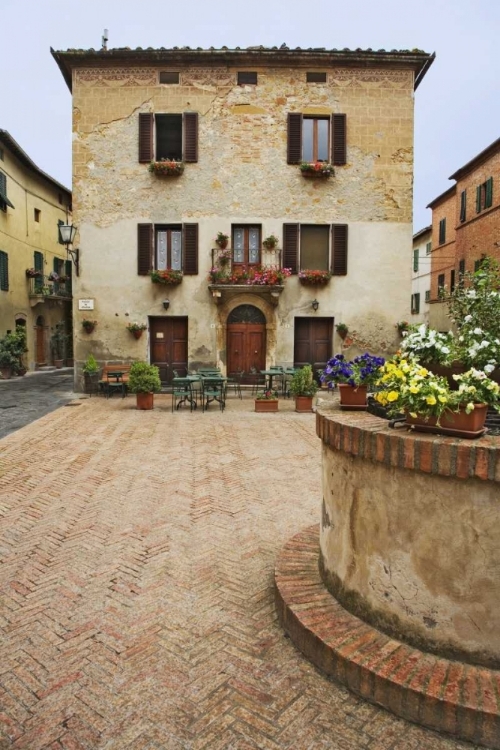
415 260
190 249
463 205
488 200
291 247
339 249
144 248
339 139
146 127
38 261
190 136
478 199
67 273
294 138
4 271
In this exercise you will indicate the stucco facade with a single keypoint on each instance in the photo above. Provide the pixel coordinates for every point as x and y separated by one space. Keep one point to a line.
241 178
421 275
29 226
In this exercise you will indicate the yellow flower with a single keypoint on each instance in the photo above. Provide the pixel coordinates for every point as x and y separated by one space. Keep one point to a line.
392 396
443 399
414 389
423 372
431 400
413 414
398 374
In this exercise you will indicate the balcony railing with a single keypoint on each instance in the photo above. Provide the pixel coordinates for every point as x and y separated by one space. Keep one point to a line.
267 258
42 287
265 277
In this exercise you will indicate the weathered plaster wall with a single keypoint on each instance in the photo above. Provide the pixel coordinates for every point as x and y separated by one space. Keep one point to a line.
414 554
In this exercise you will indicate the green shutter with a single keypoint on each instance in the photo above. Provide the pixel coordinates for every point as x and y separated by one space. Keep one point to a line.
415 260
67 273
417 302
488 202
4 271
38 265
463 205
60 222
478 199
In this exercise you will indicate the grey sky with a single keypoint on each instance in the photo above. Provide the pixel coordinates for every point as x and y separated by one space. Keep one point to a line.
457 105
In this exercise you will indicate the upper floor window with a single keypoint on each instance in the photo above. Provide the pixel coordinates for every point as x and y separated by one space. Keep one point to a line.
4 271
415 260
168 136
315 77
247 78
168 76
316 247
442 231
162 246
312 138
428 248
168 248
484 195
415 303
246 244
463 205
441 285
4 201
37 215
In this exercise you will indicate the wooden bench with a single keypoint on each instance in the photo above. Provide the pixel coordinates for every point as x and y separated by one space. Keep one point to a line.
108 382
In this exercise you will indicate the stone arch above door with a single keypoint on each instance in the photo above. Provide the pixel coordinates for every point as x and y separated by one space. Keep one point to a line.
246 314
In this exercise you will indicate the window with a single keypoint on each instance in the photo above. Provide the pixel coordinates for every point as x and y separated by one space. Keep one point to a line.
167 76
415 303
478 264
4 201
164 246
37 215
441 285
428 248
484 195
428 295
415 260
4 271
315 247
316 138
246 244
452 280
313 77
461 271
60 223
247 78
442 231
168 136
38 263
463 205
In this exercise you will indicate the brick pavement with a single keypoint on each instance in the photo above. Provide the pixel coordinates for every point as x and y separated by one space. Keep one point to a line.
136 582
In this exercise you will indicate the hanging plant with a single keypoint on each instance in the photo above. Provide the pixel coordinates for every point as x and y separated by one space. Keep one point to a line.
166 276
88 325
136 329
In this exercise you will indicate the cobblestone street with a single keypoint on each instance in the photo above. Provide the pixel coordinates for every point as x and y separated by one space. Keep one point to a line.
137 552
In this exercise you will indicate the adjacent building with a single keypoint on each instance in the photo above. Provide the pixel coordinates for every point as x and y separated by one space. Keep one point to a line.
173 146
35 278
465 227
421 276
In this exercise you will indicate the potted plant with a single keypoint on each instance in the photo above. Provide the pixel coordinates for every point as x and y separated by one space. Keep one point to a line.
224 257
270 242
57 342
266 401
12 348
166 168
316 169
303 387
353 378
136 329
32 273
91 374
222 240
144 381
88 325
342 330
168 276
403 327
314 278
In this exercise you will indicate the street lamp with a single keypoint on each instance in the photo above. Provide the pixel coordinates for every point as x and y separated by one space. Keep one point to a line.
67 234
315 304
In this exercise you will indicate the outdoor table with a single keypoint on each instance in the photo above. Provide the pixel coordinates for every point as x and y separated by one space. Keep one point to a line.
119 383
215 391
269 375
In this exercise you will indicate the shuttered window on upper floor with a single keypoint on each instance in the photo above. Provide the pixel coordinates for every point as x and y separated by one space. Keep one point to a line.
484 195
463 205
316 247
316 138
4 201
4 271
415 260
168 136
163 246
442 231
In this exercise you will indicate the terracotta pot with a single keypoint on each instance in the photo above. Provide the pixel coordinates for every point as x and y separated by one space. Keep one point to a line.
137 334
342 334
145 401
446 371
458 424
303 404
70 362
6 373
88 329
266 404
222 244
21 371
351 398
58 363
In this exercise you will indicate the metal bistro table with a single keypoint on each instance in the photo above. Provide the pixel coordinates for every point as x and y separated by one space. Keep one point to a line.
118 384
213 388
270 374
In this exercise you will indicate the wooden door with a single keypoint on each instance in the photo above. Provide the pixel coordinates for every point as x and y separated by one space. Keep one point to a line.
40 341
313 342
246 340
169 346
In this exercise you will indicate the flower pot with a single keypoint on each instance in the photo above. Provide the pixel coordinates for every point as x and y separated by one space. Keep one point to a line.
6 372
352 398
58 363
21 371
266 404
145 401
222 244
303 404
342 333
455 424
91 380
447 371
88 329
70 362
137 334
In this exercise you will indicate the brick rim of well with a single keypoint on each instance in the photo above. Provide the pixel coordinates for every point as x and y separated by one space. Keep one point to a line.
448 696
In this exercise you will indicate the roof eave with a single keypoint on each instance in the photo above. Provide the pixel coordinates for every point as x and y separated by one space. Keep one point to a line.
19 153
423 231
490 150
447 193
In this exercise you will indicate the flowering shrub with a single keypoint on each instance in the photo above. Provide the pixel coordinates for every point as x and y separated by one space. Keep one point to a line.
475 387
255 275
167 167
317 168
136 326
363 370
314 277
267 395
270 242
429 345
167 276
32 273
224 256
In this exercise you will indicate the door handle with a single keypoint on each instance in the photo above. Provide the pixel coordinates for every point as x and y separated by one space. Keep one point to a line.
255 352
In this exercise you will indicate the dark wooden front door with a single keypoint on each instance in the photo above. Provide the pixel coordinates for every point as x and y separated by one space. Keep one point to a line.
169 346
313 342
40 341
246 340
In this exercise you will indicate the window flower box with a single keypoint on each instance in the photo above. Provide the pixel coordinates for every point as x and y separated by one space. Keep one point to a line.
250 276
167 168
314 278
316 169
168 277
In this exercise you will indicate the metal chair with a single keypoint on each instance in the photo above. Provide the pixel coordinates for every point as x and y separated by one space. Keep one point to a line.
258 381
213 389
235 383
182 393
279 378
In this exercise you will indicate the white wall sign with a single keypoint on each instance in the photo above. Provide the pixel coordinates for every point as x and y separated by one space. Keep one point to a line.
85 304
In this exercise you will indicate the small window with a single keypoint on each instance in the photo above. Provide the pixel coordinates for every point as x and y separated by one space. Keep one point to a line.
415 260
313 77
60 198
247 78
168 137
4 271
415 303
38 215
315 139
461 271
484 195
428 295
441 285
463 205
428 248
1 154
167 76
442 231
4 201
60 223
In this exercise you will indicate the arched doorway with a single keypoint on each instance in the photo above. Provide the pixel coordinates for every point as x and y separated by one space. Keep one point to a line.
246 340
40 340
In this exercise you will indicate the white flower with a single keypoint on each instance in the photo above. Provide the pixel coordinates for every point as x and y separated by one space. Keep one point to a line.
477 331
468 318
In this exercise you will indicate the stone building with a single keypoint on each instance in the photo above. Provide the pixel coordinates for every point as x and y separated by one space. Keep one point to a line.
241 122
32 206
465 227
421 276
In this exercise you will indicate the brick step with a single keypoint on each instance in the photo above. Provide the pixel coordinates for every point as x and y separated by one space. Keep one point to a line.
448 696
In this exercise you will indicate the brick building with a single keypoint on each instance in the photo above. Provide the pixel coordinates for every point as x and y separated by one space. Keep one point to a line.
241 122
465 226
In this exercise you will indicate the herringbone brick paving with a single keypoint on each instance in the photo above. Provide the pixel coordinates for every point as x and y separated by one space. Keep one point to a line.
136 581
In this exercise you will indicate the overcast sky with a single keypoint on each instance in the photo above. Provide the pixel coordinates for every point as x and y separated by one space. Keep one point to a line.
457 106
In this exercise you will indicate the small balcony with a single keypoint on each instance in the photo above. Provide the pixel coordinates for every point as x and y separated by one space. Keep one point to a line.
228 278
43 289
